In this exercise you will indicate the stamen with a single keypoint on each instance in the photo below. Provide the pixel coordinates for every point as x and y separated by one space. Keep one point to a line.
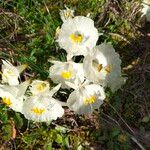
90 100
9 72
77 38
100 67
66 74
67 14
40 86
97 66
38 111
108 69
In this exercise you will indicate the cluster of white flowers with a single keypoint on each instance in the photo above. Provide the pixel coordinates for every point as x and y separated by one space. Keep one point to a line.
37 104
100 68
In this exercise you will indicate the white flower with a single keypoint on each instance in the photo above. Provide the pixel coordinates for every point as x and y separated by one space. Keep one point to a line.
39 87
66 14
103 66
66 71
10 73
146 9
12 96
86 98
43 108
77 34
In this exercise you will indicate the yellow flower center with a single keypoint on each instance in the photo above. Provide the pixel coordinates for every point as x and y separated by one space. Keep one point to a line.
68 14
89 100
108 69
9 72
38 111
6 101
100 67
40 86
66 74
77 38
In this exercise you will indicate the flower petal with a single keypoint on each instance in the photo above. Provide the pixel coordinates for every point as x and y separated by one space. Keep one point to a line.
42 109
77 34
85 99
103 66
54 90
69 71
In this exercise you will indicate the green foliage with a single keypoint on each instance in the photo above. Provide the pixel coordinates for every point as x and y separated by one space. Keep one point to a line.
112 138
27 35
44 138
6 132
18 120
3 114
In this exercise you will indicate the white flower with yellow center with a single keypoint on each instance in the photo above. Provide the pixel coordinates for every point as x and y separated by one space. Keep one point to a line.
86 98
39 87
12 96
77 34
43 108
146 9
66 14
10 73
103 66
66 71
